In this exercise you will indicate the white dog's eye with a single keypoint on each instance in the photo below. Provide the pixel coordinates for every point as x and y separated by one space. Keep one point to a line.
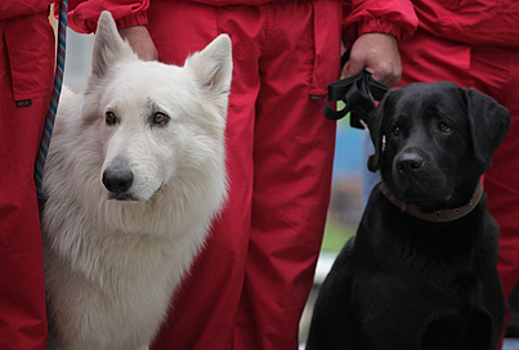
110 118
160 118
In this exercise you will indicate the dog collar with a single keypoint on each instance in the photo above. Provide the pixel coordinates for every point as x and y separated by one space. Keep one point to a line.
442 215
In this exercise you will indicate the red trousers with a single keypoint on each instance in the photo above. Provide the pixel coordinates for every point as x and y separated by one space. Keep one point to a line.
495 72
26 70
249 285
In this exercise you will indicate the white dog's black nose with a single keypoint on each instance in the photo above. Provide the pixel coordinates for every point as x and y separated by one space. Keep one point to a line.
117 180
409 162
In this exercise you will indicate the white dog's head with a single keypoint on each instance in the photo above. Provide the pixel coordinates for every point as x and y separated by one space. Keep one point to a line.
155 121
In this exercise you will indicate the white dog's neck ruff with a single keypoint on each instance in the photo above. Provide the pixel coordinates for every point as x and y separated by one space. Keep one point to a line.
442 215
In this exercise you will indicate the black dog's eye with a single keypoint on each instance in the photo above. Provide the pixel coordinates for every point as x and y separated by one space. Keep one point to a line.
396 130
110 118
444 127
160 118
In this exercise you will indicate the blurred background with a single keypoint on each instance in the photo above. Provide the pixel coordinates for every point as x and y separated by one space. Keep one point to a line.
78 60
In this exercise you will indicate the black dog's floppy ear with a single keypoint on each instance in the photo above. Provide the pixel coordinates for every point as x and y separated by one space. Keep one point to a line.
376 132
489 122
375 123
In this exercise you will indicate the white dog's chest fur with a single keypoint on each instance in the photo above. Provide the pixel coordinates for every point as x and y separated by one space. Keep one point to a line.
139 272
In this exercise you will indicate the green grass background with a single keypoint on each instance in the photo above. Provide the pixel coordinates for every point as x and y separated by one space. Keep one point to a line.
335 236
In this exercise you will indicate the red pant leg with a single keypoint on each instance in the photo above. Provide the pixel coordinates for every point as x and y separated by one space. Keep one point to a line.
293 153
426 58
279 145
23 324
204 310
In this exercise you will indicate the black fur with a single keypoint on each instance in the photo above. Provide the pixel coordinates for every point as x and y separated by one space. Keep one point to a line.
407 284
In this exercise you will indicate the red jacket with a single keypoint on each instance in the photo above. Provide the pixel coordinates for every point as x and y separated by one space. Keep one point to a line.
477 22
395 17
488 22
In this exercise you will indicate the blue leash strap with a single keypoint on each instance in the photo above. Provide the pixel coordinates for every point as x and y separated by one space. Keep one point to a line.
51 115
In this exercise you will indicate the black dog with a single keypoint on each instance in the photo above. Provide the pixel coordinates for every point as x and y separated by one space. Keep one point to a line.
420 274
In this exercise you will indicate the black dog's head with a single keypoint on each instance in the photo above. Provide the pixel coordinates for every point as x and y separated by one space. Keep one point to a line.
434 140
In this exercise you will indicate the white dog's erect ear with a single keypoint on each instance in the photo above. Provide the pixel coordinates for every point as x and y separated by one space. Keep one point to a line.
109 47
212 66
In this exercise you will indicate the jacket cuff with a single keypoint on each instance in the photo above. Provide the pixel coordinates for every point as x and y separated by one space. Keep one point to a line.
376 25
137 19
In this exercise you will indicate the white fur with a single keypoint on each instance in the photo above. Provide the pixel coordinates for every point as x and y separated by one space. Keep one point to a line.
111 266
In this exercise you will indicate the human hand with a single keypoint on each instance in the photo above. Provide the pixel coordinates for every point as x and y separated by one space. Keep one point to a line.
140 40
378 54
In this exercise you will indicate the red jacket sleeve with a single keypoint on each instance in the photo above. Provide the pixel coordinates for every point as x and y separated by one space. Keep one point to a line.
394 17
83 15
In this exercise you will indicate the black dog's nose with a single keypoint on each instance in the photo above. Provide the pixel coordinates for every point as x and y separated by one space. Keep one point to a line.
409 163
118 180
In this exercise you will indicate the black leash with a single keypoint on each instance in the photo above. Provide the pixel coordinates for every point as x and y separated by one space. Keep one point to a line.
358 93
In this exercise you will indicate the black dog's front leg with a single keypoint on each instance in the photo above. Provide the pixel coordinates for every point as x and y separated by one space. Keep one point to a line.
332 326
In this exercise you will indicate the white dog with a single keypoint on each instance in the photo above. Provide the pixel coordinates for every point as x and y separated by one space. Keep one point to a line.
135 175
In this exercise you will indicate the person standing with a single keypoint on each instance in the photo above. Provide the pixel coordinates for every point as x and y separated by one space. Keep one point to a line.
249 285
27 54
